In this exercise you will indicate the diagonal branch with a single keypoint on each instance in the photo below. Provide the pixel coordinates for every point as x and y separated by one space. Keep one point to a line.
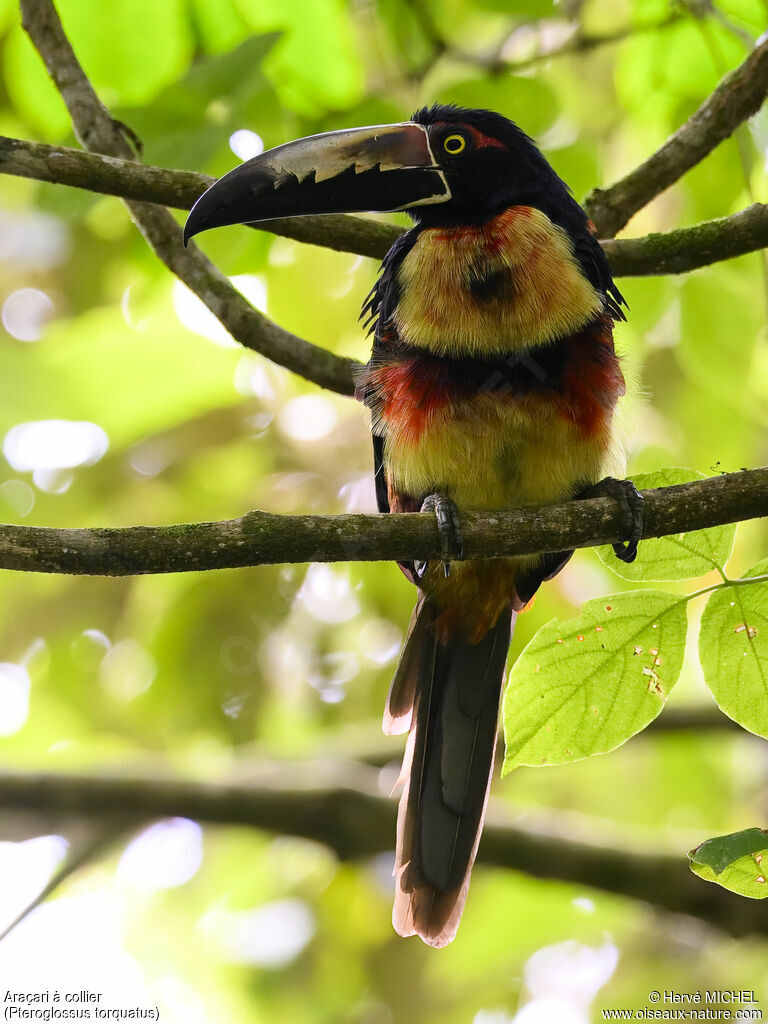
672 252
341 806
738 96
97 131
261 538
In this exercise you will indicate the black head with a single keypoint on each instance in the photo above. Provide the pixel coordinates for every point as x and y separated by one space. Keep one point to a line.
489 163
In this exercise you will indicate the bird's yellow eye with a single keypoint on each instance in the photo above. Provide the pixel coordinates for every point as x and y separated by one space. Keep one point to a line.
454 144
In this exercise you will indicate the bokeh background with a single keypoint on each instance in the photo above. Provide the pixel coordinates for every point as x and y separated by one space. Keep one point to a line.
124 403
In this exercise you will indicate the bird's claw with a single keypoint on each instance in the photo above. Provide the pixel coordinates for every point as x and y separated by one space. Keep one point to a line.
625 492
449 528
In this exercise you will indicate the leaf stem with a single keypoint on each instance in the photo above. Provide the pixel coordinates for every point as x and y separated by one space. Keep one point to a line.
741 582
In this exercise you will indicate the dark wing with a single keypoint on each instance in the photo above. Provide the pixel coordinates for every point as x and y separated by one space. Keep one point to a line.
562 209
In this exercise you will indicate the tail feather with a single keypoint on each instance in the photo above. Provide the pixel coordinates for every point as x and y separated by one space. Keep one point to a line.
402 692
455 687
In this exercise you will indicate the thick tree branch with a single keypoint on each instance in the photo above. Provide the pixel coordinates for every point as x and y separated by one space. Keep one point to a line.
341 806
97 131
676 252
261 538
672 252
739 95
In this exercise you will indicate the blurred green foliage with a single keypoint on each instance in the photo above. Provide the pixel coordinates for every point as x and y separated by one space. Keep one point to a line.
209 671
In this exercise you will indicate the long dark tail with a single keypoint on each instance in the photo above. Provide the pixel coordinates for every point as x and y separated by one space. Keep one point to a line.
446 691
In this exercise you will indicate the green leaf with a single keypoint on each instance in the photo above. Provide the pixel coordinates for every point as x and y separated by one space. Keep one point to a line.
733 647
711 305
679 557
734 861
317 63
192 119
585 686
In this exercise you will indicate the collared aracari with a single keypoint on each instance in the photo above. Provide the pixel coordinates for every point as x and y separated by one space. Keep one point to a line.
492 384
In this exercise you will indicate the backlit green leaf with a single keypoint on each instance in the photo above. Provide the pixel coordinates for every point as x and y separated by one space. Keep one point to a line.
734 861
733 647
585 686
678 557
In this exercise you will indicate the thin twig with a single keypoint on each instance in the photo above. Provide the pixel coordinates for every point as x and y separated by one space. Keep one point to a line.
581 43
739 95
97 131
261 538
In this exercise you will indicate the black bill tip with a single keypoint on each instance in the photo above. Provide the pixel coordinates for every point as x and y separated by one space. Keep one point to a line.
380 169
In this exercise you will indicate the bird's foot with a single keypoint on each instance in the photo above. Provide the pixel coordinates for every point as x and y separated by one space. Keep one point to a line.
449 528
625 492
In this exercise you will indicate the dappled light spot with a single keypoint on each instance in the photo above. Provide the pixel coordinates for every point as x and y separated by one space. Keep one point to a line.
163 856
53 481
77 939
251 377
359 495
26 868
14 697
193 314
492 1017
88 649
127 670
268 936
125 309
380 641
150 458
330 678
287 658
308 418
179 1002
246 144
18 497
563 980
254 288
531 39
32 240
26 312
259 424
327 594
54 444
283 252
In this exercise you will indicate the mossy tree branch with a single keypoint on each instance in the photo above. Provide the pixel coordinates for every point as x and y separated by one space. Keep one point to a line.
261 538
